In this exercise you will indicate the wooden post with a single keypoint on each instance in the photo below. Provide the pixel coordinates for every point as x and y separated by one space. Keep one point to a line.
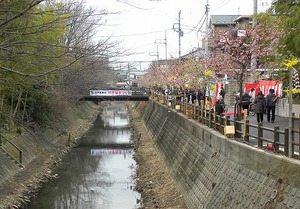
286 142
202 106
209 118
259 135
186 106
276 138
293 135
245 118
194 112
214 115
20 156
235 126
246 132
227 122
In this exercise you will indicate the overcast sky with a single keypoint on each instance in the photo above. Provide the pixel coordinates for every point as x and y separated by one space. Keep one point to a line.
145 23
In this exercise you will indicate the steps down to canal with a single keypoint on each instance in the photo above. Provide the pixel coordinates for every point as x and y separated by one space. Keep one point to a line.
13 160
8 166
214 172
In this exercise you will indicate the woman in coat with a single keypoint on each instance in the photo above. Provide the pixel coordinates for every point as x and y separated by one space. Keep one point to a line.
260 106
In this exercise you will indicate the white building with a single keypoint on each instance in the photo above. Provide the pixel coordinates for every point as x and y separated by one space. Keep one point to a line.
263 5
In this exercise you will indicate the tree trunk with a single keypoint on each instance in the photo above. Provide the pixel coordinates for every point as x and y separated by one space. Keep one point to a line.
18 102
24 104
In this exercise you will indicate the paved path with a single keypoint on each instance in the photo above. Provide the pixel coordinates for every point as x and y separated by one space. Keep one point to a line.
282 122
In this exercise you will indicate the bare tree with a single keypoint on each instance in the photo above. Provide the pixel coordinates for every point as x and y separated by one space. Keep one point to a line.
93 70
38 41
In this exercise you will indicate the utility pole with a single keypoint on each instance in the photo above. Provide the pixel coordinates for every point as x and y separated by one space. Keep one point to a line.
163 41
253 56
180 34
206 28
156 54
254 12
207 85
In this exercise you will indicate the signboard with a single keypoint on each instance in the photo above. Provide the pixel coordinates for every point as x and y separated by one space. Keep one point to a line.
110 92
100 152
241 33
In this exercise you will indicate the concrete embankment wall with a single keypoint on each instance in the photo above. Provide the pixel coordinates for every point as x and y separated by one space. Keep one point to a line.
35 144
214 172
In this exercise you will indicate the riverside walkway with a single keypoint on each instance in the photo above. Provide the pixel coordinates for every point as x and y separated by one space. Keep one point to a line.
281 122
272 136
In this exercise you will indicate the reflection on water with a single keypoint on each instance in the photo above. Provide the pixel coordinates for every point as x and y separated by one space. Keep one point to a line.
98 173
112 127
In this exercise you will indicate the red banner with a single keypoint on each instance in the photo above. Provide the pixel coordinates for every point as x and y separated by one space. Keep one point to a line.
265 86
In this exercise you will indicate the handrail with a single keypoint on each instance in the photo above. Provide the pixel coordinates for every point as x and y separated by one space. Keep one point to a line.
203 114
15 146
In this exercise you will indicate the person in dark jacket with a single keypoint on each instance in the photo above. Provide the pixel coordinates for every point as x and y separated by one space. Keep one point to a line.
260 106
200 97
271 100
245 102
219 107
222 92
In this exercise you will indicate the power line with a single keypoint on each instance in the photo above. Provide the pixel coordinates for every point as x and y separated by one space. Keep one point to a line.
202 24
220 5
196 25
135 34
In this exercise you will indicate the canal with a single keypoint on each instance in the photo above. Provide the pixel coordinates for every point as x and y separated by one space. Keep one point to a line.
99 172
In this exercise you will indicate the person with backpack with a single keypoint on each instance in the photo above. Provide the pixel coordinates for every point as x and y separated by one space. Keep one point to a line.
271 100
245 102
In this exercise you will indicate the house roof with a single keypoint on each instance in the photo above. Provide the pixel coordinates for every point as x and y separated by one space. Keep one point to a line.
196 52
138 73
242 17
223 19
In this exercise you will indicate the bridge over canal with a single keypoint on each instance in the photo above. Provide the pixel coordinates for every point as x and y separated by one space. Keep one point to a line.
116 95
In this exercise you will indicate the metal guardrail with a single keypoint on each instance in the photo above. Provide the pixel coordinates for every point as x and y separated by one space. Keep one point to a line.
14 146
252 134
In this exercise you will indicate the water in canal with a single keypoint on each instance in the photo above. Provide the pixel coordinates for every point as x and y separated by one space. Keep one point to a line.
98 173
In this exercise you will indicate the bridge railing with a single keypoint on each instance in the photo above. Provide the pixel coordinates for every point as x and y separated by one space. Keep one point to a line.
258 135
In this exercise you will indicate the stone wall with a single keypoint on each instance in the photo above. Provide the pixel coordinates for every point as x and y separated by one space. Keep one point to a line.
214 172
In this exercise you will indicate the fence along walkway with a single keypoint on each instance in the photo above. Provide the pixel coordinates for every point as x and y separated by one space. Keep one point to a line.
245 129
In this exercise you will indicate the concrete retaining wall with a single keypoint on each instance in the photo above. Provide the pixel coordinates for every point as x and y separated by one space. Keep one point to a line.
34 144
214 172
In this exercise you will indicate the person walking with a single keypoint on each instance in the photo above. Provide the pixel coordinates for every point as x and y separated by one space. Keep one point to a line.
252 94
245 102
271 100
260 106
